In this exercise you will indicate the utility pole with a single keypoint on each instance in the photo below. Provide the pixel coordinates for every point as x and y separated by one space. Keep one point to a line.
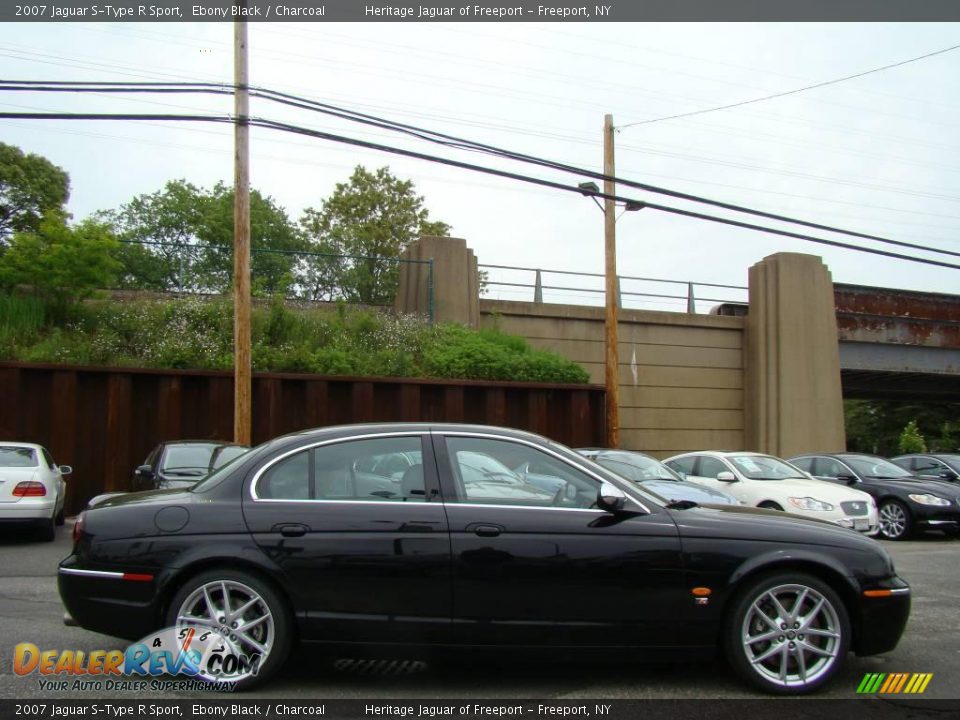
611 317
242 375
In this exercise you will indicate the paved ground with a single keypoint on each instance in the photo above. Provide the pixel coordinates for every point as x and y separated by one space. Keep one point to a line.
30 611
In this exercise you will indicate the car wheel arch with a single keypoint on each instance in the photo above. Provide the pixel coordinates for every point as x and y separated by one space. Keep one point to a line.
752 572
174 582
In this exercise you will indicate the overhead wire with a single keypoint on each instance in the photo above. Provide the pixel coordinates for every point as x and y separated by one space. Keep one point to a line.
438 138
296 129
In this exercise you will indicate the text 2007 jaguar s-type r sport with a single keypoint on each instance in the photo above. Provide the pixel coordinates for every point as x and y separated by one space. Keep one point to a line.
422 538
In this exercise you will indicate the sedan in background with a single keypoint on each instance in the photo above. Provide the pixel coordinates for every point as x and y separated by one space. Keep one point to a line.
32 489
654 475
907 502
944 466
182 463
285 546
768 482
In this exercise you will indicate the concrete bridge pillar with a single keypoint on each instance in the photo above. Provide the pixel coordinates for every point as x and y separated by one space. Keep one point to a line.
793 398
451 289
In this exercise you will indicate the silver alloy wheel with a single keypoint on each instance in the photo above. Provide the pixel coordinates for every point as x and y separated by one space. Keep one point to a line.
238 613
791 635
893 520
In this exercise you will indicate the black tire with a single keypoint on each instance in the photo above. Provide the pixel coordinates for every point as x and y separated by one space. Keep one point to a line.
807 650
46 530
896 523
770 505
276 633
60 519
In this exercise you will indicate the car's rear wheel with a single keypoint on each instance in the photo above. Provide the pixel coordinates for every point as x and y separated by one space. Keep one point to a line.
770 505
60 519
895 520
787 633
47 530
247 611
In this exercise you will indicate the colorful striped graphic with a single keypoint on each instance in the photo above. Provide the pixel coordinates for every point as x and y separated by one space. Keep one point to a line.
894 683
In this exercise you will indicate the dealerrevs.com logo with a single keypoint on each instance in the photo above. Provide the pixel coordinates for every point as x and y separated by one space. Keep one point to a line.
199 654
894 683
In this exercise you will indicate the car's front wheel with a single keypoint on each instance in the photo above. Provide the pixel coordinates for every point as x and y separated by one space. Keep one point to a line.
895 520
248 612
787 633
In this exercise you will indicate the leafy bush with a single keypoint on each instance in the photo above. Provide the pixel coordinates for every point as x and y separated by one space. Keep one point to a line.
197 333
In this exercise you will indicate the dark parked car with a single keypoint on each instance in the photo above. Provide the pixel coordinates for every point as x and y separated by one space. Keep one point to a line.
290 543
654 475
181 463
936 467
906 502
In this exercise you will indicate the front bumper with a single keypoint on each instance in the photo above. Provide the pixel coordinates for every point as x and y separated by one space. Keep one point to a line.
883 617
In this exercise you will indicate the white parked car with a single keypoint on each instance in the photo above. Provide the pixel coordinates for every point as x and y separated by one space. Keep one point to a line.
768 482
32 489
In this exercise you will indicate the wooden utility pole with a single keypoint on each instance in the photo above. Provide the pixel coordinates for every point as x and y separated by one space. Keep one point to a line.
611 318
242 377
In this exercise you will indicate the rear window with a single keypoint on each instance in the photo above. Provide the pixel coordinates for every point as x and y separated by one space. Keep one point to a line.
17 457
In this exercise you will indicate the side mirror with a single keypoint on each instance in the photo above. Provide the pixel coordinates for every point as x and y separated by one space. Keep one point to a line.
949 476
144 471
611 498
848 479
65 469
726 476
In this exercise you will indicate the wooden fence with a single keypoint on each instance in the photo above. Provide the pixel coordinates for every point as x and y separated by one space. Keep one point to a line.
104 421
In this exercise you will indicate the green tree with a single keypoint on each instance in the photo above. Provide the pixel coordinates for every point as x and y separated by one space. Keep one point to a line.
274 242
374 215
181 238
164 226
30 186
62 264
911 441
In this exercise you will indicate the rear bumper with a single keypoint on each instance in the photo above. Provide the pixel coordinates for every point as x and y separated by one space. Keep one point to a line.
28 510
107 602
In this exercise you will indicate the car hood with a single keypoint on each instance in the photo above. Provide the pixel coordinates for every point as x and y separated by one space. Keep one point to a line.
921 485
818 490
740 522
673 490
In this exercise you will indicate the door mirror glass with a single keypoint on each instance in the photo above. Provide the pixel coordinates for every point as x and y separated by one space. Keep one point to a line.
144 471
726 476
65 469
611 498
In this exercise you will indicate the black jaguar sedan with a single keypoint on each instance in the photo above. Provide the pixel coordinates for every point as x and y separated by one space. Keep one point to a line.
906 503
302 539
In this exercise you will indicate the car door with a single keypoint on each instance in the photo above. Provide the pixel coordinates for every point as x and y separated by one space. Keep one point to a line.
536 567
367 556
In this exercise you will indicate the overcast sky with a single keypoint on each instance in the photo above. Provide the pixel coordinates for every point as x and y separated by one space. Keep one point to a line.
877 154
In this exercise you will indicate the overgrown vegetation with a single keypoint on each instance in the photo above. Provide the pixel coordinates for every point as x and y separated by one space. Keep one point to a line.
198 333
887 427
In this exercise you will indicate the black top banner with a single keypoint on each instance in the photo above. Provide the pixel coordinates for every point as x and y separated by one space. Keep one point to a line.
504 11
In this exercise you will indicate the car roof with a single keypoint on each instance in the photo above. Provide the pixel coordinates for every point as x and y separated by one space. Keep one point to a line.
15 443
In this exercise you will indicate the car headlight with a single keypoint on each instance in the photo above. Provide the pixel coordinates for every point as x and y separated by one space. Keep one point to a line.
809 503
927 499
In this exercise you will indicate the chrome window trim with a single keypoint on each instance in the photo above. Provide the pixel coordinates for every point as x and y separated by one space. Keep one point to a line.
535 446
322 443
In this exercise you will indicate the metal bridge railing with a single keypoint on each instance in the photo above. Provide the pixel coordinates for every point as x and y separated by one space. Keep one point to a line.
525 283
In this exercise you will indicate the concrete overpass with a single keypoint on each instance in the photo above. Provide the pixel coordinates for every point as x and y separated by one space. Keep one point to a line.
768 376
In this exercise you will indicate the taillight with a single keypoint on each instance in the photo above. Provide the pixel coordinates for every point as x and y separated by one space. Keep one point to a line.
30 488
78 527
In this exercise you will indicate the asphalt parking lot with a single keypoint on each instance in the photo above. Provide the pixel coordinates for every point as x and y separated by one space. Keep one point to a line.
30 611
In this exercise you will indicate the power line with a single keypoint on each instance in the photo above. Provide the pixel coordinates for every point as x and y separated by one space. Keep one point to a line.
296 129
790 92
434 137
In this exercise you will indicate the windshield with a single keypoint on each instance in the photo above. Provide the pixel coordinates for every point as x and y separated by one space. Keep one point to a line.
19 457
875 467
764 467
188 459
636 467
